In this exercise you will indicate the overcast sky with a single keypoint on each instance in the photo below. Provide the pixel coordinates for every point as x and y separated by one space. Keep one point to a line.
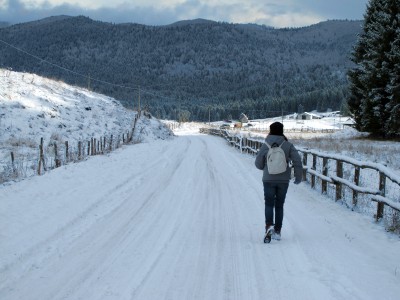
276 13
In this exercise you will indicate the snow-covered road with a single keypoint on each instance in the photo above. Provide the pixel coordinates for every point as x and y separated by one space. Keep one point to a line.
183 219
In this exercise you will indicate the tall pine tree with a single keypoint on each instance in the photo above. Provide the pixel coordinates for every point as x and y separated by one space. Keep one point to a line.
374 85
393 107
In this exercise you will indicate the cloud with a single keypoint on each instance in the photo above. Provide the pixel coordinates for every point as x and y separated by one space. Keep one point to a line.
343 9
17 12
277 13
272 14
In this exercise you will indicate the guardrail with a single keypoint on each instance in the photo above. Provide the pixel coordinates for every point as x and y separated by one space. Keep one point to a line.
336 170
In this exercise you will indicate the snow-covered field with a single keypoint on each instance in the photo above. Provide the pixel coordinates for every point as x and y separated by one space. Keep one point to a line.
330 135
176 218
326 122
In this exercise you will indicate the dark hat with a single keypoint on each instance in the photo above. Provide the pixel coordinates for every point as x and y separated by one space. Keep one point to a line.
276 128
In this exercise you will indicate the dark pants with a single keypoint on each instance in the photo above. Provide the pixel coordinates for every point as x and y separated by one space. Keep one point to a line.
274 196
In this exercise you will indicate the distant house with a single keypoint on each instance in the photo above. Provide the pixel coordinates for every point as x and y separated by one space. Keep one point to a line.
243 118
308 116
349 123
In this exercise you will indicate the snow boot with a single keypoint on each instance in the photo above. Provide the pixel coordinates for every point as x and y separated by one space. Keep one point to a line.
276 235
268 234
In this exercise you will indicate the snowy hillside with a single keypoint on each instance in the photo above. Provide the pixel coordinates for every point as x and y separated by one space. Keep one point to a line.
33 107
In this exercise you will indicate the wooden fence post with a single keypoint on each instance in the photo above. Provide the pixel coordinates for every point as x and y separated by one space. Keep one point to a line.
382 189
324 185
56 158
41 157
88 148
66 152
339 173
356 182
314 167
14 170
79 150
304 165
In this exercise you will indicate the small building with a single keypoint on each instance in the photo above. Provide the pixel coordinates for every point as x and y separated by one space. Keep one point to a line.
308 116
349 123
243 118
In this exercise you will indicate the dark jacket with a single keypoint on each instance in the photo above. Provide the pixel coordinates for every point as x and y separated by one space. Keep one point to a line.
291 155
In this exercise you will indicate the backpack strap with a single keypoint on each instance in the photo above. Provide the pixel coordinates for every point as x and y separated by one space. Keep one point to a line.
280 146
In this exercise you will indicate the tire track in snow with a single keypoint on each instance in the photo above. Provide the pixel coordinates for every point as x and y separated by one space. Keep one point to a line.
214 260
76 221
128 238
186 210
241 203
86 269
154 247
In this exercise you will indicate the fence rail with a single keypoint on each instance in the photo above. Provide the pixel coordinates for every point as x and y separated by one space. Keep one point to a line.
329 169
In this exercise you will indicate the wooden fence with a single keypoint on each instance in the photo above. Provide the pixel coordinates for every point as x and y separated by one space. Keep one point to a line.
64 153
329 169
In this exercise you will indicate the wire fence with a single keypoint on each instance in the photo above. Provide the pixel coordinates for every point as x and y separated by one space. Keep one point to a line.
56 154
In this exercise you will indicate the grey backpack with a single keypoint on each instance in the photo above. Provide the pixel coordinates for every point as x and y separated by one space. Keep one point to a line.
276 159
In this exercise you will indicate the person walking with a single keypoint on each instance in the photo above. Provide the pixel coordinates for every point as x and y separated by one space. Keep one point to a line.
275 181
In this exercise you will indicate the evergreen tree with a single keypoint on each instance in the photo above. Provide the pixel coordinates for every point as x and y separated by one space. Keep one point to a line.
373 81
393 107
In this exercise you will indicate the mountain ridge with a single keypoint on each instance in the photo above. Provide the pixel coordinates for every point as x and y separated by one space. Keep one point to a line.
191 65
